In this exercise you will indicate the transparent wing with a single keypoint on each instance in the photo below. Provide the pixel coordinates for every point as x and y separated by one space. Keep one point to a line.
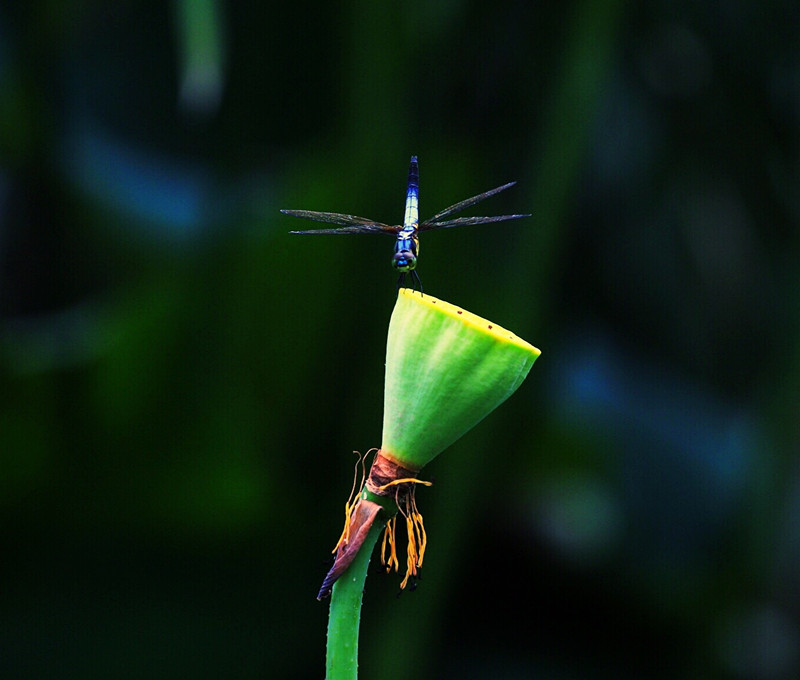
462 205
349 224
464 221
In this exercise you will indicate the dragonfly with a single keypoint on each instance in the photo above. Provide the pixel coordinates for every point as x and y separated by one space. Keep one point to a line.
406 246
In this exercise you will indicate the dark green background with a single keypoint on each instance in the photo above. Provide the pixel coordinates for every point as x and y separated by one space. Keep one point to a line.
182 383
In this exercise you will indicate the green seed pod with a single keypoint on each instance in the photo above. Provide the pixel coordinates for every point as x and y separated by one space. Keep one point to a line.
446 370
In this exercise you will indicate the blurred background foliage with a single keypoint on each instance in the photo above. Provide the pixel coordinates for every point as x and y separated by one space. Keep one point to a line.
183 383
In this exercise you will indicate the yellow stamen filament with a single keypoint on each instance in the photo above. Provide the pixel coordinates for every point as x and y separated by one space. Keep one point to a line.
405 480
354 498
349 507
389 537
419 530
411 554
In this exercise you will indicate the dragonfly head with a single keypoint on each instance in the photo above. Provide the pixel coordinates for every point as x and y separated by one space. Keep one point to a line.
404 260
405 252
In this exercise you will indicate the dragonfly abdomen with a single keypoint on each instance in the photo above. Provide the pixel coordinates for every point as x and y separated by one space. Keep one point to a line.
412 198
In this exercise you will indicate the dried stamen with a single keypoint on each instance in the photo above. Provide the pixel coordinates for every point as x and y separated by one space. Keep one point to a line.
386 479
417 538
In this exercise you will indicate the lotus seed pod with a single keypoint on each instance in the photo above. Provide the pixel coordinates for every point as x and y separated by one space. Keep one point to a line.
446 370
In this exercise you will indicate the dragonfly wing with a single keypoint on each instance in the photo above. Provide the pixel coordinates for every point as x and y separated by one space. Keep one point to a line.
464 221
349 224
468 202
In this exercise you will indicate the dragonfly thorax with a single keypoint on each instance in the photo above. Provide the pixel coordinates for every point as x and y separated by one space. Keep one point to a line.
405 254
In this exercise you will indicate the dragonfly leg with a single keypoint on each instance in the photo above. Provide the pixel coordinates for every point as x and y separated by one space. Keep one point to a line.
417 281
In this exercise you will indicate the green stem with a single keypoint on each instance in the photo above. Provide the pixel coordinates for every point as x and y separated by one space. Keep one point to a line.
345 613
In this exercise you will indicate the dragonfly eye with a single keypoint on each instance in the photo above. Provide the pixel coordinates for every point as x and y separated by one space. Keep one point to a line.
404 261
